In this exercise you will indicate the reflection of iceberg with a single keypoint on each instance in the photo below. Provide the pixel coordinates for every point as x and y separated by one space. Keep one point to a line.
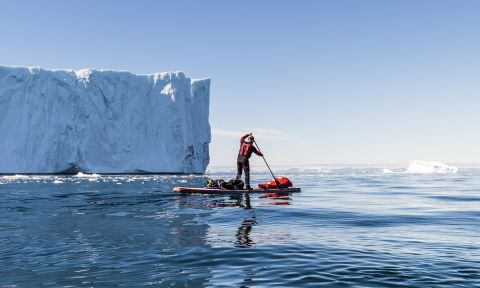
423 167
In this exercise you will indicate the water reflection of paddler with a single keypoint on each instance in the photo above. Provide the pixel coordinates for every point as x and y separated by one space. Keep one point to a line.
243 233
235 200
243 200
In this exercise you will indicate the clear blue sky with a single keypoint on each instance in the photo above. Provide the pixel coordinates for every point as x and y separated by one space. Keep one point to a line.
320 81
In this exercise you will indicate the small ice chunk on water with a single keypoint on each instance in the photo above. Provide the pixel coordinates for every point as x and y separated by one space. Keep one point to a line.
83 175
16 176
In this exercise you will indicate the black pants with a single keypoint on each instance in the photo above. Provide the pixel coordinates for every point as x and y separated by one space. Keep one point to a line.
242 163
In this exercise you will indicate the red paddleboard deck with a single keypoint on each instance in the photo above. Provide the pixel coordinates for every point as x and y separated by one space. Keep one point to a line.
224 191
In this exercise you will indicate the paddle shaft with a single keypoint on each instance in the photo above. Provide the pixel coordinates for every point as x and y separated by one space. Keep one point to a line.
276 181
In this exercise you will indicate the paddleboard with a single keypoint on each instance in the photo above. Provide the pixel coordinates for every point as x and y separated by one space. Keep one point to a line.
224 191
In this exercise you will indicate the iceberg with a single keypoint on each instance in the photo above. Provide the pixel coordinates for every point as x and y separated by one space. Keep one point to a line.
96 121
426 167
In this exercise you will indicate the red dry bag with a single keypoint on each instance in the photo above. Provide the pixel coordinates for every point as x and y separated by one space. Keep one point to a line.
272 184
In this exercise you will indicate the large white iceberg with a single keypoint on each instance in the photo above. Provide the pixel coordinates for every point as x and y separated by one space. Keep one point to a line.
426 167
53 121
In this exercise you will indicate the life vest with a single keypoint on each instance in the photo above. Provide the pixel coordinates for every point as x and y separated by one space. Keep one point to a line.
244 149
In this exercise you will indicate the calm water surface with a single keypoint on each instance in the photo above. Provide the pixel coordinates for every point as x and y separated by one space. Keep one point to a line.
347 228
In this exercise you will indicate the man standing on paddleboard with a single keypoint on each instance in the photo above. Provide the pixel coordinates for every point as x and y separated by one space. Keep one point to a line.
245 152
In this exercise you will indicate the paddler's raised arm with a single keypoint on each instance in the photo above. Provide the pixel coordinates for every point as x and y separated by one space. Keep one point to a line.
245 136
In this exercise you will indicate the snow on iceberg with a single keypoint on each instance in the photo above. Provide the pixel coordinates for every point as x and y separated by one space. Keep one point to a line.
425 167
102 121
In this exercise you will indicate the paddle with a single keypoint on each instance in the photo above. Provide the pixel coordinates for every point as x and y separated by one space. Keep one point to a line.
276 181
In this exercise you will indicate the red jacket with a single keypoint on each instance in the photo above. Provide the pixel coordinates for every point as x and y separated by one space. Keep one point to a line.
247 148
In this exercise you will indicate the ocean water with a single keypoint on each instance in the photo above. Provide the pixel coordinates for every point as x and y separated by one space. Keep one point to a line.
348 227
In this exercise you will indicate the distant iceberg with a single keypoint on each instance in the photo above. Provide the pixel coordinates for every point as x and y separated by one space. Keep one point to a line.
93 121
425 167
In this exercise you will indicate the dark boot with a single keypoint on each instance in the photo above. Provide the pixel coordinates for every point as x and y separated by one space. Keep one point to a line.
248 187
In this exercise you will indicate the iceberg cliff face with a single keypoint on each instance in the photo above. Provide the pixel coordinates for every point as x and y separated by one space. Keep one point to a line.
53 121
